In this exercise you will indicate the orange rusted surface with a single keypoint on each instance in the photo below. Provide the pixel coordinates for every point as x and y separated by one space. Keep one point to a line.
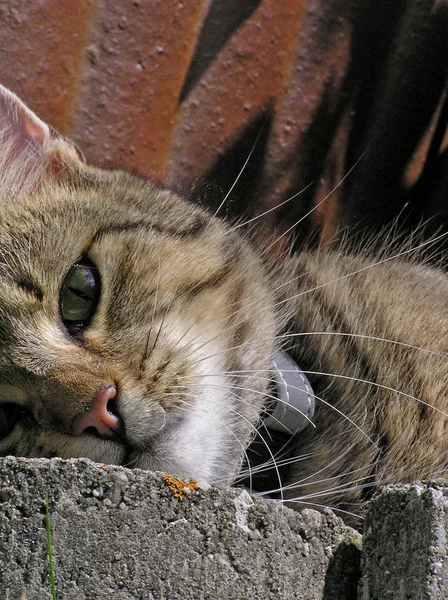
414 168
42 47
309 125
137 58
242 82
339 103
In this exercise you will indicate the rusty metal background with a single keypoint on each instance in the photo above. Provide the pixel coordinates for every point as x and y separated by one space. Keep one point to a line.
344 99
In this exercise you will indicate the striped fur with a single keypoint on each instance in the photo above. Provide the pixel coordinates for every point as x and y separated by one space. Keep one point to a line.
188 319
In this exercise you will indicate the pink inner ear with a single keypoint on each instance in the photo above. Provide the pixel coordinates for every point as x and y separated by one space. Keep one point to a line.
35 131
29 151
23 135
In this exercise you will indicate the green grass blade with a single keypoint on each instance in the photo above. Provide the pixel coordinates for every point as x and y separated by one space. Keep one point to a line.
50 549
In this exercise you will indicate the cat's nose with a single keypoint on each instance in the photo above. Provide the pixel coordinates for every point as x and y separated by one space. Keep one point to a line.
99 415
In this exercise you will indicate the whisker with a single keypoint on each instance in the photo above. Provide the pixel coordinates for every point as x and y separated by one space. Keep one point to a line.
280 462
347 377
348 485
286 336
243 388
294 225
361 431
251 425
238 397
333 508
277 206
367 337
240 173
146 352
315 288
326 467
380 386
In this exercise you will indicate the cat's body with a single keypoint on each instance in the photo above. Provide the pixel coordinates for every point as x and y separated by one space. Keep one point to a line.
376 351
136 329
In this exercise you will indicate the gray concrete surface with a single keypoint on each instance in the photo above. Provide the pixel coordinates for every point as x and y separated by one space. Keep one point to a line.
122 535
405 544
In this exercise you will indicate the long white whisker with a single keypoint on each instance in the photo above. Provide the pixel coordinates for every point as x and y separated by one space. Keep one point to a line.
336 410
347 377
266 212
366 337
285 336
333 508
280 462
265 394
294 225
328 465
239 174
380 386
252 426
343 487
299 294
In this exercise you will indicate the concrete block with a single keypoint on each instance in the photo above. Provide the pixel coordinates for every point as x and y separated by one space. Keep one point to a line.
122 534
405 544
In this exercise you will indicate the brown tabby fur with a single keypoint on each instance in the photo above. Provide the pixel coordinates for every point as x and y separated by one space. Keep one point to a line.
188 319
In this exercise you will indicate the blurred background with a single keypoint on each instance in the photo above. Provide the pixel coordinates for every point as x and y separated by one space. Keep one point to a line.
262 98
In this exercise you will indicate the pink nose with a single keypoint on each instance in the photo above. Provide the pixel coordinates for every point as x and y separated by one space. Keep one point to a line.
98 415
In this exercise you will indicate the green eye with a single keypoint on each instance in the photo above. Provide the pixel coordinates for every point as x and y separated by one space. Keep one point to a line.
80 294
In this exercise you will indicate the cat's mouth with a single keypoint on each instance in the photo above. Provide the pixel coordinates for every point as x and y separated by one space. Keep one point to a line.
119 438
114 436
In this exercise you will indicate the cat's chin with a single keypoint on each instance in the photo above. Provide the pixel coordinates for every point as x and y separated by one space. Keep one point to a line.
147 462
188 459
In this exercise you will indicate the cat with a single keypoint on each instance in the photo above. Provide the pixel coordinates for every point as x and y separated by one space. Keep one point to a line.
137 329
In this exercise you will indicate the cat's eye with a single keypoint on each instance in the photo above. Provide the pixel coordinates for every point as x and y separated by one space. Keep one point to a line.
9 415
80 294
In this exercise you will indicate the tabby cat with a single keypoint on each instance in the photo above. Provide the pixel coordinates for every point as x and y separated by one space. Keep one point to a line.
137 329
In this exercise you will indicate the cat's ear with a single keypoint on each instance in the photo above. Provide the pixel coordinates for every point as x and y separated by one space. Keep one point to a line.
30 151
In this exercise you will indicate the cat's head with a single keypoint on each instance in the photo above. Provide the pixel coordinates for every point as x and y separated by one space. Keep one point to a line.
134 328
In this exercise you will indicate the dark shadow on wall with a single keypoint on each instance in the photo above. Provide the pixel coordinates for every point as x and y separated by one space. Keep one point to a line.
242 199
408 83
394 81
222 20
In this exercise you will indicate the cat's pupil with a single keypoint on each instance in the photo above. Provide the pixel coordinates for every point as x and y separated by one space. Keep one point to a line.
80 294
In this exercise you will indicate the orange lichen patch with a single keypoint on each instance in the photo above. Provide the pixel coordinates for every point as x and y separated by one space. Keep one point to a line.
180 488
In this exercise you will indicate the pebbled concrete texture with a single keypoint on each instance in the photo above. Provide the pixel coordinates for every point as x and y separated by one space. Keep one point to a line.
405 544
122 534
